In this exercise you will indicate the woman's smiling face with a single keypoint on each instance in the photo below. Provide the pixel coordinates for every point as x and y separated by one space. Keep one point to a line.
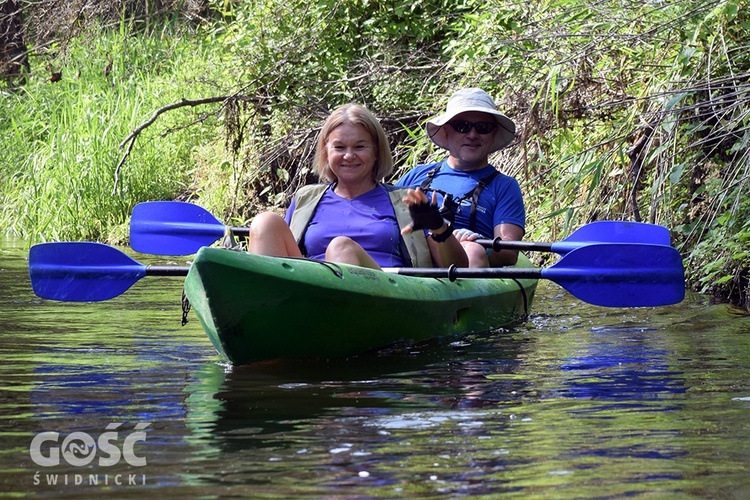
351 154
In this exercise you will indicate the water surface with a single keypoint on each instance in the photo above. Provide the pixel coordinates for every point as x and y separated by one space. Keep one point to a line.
577 402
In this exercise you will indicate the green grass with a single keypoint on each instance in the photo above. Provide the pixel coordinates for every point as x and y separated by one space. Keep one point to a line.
61 140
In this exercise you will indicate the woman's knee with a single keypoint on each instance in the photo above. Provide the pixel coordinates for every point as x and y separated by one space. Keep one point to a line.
345 250
266 221
270 235
342 245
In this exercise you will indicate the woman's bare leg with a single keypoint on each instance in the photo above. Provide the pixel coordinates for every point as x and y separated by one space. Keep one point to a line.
345 250
270 235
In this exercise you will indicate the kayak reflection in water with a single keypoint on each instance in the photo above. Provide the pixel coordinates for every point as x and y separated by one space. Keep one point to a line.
353 217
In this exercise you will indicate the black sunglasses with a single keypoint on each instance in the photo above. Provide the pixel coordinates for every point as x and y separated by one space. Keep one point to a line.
464 127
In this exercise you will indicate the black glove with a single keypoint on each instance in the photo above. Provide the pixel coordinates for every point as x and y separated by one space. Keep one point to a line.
425 216
448 209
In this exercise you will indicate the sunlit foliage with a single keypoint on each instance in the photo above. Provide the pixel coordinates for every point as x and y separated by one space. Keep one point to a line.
634 110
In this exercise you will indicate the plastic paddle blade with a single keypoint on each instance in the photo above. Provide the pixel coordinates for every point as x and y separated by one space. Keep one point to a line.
610 231
81 271
621 275
172 228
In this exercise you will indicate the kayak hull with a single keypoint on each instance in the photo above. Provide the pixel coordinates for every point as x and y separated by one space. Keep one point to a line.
256 308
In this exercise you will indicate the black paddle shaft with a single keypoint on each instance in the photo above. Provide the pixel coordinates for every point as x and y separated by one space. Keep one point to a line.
529 246
167 270
453 273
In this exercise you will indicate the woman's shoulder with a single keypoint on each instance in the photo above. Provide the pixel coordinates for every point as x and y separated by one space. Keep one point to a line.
312 188
310 193
390 187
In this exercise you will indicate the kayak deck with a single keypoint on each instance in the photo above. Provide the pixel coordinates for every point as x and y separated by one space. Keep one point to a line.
256 308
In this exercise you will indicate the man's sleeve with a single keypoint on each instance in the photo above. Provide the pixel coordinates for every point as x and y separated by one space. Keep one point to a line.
403 181
510 207
412 178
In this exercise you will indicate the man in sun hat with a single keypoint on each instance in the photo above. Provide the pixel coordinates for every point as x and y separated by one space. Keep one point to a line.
485 202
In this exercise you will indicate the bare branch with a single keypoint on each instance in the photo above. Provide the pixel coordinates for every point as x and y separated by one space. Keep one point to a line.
130 139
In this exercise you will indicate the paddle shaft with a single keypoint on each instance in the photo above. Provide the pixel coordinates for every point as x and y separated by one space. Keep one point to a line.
167 270
527 246
454 273
497 244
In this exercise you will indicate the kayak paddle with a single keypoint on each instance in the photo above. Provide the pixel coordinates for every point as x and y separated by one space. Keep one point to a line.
181 228
87 272
604 274
603 231
174 228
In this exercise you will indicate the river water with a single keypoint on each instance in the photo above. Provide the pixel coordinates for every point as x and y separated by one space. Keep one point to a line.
577 402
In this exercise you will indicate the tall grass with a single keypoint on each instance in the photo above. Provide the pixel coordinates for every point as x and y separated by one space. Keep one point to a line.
61 139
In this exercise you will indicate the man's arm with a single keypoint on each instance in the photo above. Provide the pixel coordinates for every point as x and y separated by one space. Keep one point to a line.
511 232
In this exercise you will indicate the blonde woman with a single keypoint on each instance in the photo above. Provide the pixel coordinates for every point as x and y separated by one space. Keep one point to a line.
353 217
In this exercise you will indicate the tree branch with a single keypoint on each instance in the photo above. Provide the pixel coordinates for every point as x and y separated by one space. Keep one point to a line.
130 139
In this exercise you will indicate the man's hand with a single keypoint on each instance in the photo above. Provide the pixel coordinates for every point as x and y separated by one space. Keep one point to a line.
465 235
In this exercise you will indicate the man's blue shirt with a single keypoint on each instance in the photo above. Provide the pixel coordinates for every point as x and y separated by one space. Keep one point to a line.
500 202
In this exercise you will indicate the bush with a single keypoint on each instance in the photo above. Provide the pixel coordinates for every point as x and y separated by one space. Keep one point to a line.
626 110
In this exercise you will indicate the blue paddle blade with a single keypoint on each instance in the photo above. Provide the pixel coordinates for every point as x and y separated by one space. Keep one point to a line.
81 271
611 231
608 231
172 228
621 275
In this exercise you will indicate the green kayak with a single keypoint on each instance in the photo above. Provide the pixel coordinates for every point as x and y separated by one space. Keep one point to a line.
257 308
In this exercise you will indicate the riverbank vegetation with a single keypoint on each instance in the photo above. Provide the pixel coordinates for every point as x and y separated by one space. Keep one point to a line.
625 110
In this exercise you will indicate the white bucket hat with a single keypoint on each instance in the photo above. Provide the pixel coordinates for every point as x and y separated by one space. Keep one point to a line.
471 99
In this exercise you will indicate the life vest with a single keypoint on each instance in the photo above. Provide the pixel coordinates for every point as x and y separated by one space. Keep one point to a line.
413 246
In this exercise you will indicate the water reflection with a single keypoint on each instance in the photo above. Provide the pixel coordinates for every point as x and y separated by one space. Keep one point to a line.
578 401
70 391
620 363
356 419
276 398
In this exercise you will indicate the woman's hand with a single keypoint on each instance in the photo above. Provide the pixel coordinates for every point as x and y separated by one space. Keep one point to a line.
425 215
445 250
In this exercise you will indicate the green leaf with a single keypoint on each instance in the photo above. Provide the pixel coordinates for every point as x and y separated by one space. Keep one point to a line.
731 10
676 174
723 279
